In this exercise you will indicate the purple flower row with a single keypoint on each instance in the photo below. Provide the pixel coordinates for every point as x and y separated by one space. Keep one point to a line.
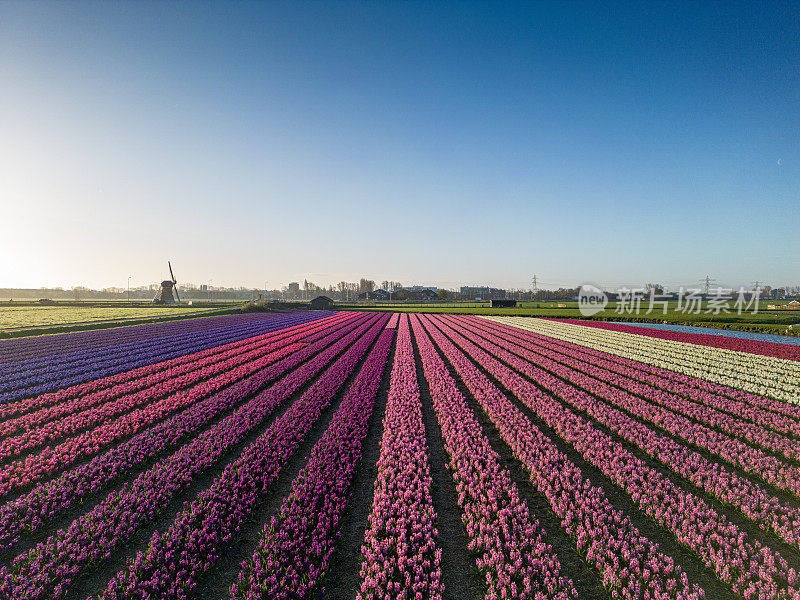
47 500
43 368
176 558
158 370
753 500
742 410
400 557
69 416
512 555
55 458
20 349
297 543
56 373
744 564
630 564
47 570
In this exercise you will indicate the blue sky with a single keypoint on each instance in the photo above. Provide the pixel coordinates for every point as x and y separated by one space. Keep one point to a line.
430 143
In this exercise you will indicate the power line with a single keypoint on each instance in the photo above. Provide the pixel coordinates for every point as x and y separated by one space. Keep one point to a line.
708 281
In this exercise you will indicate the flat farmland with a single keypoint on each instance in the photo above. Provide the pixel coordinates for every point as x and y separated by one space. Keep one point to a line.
372 455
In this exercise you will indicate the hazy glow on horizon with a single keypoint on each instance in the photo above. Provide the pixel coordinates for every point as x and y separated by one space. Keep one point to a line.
425 143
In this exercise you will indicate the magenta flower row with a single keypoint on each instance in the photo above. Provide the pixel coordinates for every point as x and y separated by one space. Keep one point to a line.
630 564
511 552
46 354
748 567
297 543
52 459
756 409
55 372
749 432
769 468
753 500
47 500
47 570
85 410
15 352
100 387
176 558
55 458
393 321
400 556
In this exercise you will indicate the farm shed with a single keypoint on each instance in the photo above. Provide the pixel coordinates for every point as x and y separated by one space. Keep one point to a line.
504 303
321 303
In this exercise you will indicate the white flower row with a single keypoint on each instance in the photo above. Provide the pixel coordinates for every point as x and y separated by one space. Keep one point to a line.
753 373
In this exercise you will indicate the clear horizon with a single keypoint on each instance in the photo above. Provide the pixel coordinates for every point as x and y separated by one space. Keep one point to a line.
437 144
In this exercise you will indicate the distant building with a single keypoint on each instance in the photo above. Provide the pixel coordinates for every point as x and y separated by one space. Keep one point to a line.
421 288
374 295
419 295
794 305
482 293
321 303
294 288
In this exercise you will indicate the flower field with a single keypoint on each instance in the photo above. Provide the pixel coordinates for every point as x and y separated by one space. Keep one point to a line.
370 455
15 317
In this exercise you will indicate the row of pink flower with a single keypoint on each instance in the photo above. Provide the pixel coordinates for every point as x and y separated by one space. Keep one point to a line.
394 320
69 350
647 386
297 543
764 417
57 372
175 559
42 409
68 417
630 564
53 459
101 386
400 554
747 566
752 499
738 397
42 371
752 460
512 555
787 351
47 500
47 570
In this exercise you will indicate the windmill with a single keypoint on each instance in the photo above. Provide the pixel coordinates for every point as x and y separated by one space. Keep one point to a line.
164 295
